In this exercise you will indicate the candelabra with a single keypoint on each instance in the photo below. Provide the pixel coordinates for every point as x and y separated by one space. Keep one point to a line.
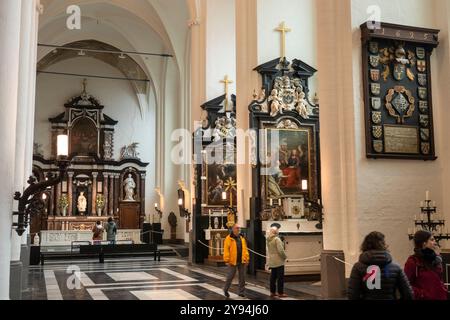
158 212
430 221
31 200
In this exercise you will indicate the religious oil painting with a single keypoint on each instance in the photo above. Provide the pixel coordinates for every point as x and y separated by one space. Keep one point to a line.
84 138
288 162
221 178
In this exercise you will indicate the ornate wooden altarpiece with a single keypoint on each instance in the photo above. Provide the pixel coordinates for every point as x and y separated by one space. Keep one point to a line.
286 149
397 91
215 172
93 172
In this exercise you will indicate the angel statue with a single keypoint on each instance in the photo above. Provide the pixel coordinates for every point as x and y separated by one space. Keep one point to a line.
129 152
276 105
302 108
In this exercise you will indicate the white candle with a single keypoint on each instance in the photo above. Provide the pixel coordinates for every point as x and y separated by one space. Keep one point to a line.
304 185
279 202
421 204
271 201
427 195
224 195
62 145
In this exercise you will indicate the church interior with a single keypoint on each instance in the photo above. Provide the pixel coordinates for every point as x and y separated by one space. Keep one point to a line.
138 135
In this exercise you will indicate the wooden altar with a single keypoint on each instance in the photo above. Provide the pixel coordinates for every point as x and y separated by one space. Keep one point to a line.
93 175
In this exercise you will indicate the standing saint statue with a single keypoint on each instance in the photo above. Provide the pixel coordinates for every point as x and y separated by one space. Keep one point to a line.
129 186
82 203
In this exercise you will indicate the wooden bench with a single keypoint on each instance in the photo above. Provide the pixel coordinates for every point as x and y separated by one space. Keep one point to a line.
102 250
115 250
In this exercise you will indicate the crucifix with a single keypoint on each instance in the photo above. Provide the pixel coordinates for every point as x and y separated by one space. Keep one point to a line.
230 185
226 81
283 30
84 85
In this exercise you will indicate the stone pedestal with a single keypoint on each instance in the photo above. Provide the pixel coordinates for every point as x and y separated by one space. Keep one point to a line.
333 275
15 281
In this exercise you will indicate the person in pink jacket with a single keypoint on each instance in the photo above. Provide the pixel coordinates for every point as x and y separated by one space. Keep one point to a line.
424 269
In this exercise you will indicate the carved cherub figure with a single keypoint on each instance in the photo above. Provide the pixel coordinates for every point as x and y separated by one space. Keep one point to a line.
276 105
302 108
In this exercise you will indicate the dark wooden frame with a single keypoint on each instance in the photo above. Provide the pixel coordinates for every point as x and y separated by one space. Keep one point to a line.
419 37
200 217
260 119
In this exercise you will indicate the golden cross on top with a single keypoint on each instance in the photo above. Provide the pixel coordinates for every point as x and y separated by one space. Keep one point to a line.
283 30
230 185
227 82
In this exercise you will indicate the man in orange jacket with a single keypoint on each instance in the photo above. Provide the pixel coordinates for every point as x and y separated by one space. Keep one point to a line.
237 258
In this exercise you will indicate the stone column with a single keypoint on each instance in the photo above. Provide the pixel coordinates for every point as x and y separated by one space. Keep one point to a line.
111 194
246 81
337 135
52 201
58 196
197 84
105 193
69 192
142 199
10 16
117 188
94 193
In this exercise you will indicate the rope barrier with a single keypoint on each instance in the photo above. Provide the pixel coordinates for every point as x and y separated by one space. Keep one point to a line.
342 261
261 255
150 231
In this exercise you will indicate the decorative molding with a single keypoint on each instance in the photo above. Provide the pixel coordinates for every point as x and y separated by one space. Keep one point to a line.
193 23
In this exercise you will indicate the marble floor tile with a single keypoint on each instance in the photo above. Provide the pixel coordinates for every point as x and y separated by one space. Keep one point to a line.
130 276
166 294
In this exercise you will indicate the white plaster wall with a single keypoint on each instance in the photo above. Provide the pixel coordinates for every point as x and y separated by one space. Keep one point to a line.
221 47
120 103
389 191
299 15
172 170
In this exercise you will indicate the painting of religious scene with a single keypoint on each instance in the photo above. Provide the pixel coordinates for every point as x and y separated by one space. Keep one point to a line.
84 138
221 178
288 162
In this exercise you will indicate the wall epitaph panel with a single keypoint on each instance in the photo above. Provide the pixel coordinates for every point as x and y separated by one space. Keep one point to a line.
397 91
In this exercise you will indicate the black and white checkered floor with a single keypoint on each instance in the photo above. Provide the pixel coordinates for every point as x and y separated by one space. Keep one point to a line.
137 279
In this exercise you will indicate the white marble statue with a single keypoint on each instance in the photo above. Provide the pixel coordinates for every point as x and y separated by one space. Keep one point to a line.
82 203
129 187
216 223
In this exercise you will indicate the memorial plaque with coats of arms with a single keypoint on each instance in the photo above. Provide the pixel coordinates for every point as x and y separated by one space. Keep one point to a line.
397 91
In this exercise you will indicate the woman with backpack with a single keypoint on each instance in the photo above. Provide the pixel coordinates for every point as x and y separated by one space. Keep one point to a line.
375 276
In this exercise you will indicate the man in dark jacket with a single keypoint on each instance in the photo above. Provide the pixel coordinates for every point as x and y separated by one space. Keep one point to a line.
375 276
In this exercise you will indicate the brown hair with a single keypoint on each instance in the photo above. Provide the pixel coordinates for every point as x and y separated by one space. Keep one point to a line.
374 241
421 237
